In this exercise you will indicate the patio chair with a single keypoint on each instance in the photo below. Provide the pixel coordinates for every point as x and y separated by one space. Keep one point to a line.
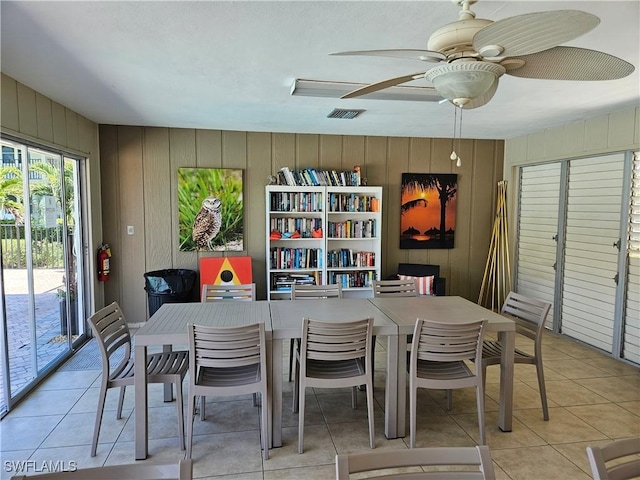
183 470
213 293
530 316
309 292
623 455
334 355
112 334
449 457
228 361
439 352
395 288
216 293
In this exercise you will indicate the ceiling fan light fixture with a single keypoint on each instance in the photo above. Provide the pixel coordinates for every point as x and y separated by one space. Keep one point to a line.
461 82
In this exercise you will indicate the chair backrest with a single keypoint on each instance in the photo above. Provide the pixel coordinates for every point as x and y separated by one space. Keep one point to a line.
447 342
213 293
617 450
183 470
334 341
112 335
478 456
315 291
395 288
226 347
529 314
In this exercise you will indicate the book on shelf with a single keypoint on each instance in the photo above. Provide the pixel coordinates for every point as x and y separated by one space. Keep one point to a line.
311 177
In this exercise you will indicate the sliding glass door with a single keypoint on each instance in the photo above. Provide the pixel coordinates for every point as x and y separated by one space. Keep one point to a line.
43 264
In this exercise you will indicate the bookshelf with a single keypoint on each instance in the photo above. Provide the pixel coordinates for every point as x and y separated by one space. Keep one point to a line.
322 235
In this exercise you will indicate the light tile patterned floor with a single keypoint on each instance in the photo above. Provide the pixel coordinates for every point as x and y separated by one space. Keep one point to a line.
593 399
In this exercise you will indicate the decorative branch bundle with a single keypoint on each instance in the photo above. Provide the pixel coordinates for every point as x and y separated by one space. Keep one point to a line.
496 282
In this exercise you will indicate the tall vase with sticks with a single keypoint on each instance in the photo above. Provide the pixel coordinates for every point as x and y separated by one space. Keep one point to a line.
496 282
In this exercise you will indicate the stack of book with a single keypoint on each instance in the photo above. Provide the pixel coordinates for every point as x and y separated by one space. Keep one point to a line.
295 258
282 282
311 177
353 279
347 258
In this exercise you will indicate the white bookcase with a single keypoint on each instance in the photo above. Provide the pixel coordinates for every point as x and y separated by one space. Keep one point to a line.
323 235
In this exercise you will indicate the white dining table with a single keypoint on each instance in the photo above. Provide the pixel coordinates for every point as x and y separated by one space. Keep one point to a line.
168 327
286 320
404 311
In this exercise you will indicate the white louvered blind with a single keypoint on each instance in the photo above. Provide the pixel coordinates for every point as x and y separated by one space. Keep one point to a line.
631 328
538 224
591 258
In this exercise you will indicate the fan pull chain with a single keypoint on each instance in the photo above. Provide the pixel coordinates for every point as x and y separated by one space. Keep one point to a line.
454 155
459 162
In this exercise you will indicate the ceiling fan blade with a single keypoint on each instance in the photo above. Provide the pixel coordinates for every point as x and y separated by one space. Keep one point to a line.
391 82
482 99
571 63
412 54
532 32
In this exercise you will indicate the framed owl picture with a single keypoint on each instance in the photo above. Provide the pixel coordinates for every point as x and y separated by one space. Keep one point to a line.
210 209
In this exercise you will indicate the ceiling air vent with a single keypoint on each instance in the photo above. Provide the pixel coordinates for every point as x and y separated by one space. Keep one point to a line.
342 113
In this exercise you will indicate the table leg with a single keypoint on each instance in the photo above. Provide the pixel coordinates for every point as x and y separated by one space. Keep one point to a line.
276 390
391 388
401 378
505 415
269 398
140 411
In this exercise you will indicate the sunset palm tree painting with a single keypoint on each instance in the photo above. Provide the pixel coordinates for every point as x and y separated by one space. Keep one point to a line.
428 210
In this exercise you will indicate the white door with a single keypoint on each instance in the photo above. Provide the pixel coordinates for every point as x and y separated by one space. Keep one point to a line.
539 204
591 249
631 324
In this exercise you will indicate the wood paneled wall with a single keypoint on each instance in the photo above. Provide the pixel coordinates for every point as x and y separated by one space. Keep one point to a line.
32 117
139 174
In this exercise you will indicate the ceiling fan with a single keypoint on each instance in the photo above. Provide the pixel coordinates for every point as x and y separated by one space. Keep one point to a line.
474 53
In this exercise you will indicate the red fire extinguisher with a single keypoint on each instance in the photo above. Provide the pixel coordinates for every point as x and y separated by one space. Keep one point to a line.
104 254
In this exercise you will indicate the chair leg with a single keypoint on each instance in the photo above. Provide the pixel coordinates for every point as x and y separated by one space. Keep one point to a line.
190 414
449 395
265 434
354 397
372 435
99 412
480 402
412 414
296 390
203 401
180 407
301 405
120 403
543 390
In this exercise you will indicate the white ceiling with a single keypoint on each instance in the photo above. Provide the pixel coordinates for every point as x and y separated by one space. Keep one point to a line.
229 65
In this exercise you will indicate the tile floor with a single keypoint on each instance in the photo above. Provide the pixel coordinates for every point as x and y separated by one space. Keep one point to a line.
592 400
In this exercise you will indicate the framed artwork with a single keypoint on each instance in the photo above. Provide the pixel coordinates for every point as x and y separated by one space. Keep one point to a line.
428 210
210 209
225 271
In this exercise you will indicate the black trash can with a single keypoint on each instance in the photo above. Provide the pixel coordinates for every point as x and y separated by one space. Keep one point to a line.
168 286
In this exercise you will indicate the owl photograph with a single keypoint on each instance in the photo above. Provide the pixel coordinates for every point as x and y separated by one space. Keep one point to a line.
210 209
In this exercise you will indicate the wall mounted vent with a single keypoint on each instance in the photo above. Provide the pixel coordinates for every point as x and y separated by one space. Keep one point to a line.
346 114
320 88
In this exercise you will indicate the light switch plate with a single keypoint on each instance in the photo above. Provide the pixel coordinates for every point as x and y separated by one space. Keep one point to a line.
129 229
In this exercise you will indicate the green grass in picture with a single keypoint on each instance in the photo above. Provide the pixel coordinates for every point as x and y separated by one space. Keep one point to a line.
210 209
